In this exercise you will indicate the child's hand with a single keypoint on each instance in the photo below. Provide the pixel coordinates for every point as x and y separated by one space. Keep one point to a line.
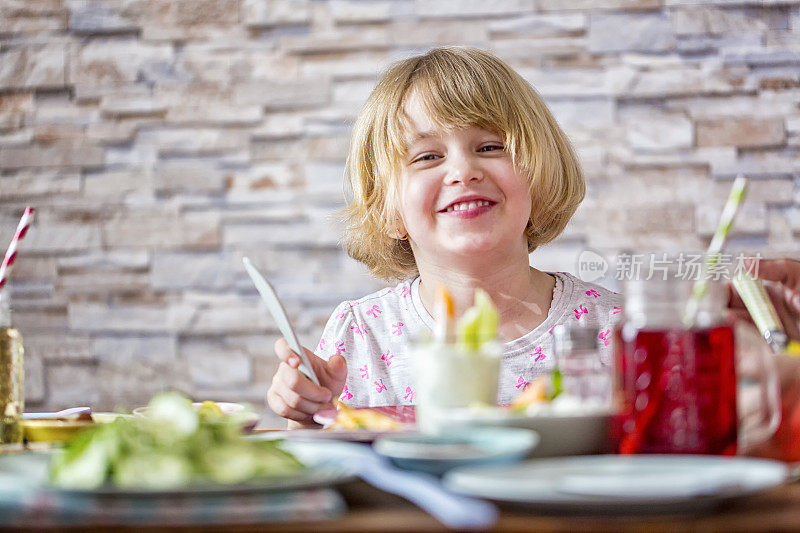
295 397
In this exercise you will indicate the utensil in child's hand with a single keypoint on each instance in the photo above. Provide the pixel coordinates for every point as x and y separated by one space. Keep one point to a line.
275 307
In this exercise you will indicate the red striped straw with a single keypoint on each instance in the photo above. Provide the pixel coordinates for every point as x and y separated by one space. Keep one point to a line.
11 253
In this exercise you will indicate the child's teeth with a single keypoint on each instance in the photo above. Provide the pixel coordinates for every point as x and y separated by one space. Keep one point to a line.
463 206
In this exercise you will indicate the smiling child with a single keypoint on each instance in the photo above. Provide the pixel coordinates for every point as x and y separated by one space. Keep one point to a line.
457 172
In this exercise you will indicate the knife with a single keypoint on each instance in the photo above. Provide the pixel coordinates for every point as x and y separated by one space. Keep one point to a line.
270 297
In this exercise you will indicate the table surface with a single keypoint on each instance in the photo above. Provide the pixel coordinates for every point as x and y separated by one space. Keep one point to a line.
372 510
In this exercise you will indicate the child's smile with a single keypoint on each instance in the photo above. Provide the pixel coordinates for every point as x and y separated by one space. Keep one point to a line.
470 206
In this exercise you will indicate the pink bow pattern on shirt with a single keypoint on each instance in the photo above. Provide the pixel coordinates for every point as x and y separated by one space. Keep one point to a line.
321 345
592 292
404 292
344 312
364 372
397 329
387 357
346 394
340 348
361 330
409 395
379 386
537 354
580 311
616 310
522 384
374 311
605 336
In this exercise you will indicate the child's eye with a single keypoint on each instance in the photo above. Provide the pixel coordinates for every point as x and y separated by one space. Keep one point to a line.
490 147
424 157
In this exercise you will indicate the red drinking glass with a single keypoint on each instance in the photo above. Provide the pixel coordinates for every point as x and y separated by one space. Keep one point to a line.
676 386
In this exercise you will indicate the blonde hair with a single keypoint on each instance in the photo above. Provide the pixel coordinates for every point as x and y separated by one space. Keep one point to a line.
459 87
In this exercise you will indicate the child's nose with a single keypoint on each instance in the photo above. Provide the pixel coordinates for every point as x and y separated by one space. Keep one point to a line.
463 169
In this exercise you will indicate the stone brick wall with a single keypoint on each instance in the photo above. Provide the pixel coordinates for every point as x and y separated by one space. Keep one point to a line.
161 140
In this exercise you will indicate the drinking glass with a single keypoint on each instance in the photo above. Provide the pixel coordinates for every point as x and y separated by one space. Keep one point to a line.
687 388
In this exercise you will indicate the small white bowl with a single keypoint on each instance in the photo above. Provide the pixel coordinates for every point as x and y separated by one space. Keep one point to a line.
561 433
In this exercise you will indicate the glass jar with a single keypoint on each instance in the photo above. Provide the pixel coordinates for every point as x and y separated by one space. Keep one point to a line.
676 385
12 377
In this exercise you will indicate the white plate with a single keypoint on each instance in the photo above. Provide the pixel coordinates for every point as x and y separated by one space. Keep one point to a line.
29 471
561 434
622 483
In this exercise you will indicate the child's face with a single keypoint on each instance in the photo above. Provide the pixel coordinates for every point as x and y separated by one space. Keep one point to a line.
460 194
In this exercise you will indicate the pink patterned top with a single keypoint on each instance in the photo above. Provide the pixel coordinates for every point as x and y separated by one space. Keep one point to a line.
375 332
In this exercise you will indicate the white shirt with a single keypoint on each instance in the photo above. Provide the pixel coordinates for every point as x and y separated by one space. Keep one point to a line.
374 335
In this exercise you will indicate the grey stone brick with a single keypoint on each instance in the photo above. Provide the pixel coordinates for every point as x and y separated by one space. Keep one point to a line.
62 238
132 350
193 230
62 392
714 20
132 318
81 156
33 66
266 14
209 271
599 5
623 32
277 95
59 348
189 175
471 8
214 365
35 391
26 184
115 259
91 17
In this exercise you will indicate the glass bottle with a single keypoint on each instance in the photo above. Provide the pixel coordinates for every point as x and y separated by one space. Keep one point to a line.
583 374
12 376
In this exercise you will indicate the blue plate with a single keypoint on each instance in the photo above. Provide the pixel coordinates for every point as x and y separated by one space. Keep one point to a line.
436 454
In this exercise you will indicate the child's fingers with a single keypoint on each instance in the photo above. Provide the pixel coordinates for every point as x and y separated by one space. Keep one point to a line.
287 355
283 351
790 319
784 271
294 400
282 409
293 379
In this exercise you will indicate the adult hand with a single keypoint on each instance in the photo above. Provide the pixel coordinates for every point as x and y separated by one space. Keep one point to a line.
783 287
295 397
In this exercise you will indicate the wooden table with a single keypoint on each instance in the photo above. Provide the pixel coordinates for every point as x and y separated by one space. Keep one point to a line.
373 510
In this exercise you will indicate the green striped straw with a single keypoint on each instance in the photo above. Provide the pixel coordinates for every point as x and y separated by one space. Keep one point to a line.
700 288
